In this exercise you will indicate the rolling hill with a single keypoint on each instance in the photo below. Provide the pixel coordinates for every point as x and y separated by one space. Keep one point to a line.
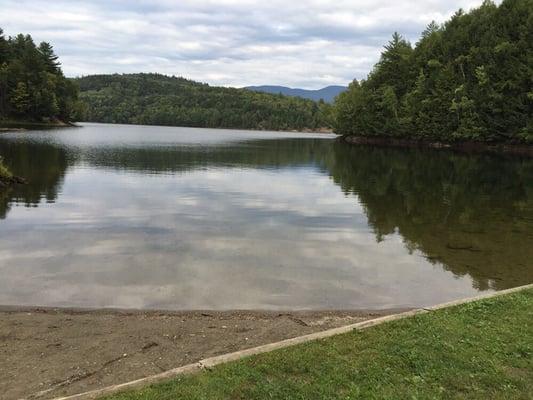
155 99
328 93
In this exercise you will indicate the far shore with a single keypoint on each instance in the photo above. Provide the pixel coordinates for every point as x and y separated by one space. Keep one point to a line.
10 126
324 130
519 149
28 126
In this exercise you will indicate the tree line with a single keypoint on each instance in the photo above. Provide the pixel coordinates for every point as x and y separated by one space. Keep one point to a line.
468 79
32 85
155 99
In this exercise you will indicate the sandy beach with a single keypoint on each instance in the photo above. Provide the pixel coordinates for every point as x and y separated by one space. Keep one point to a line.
49 352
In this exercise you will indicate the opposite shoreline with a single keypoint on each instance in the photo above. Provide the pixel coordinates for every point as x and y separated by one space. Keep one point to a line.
21 126
29 126
464 147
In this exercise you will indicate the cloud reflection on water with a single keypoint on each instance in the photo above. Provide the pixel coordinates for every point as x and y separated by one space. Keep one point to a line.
258 222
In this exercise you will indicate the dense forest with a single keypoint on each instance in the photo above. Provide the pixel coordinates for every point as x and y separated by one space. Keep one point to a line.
32 85
469 79
155 99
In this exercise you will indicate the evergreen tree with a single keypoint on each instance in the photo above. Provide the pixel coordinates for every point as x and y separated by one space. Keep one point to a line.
4 48
394 66
469 79
32 85
49 57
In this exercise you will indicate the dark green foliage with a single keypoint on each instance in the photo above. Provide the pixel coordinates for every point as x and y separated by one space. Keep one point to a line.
32 86
155 99
468 213
5 173
469 79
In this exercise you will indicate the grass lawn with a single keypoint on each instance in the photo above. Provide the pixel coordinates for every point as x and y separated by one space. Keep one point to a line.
481 350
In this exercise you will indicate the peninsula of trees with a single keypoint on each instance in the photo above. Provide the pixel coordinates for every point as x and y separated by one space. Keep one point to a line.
154 99
470 79
33 88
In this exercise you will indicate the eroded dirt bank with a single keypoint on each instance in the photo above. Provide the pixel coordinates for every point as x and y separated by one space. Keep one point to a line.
46 353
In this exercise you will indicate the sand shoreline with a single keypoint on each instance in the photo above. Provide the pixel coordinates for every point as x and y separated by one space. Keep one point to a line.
61 351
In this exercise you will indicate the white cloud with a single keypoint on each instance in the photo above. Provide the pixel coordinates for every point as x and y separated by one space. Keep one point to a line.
226 42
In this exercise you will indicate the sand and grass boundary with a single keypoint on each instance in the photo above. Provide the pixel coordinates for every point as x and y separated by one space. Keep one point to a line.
208 363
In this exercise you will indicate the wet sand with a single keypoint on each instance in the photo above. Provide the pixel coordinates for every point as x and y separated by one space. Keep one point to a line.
45 352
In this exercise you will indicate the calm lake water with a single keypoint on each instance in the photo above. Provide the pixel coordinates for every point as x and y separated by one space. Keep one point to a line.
181 218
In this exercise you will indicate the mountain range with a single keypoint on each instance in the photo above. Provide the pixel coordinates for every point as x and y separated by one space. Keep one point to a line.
328 93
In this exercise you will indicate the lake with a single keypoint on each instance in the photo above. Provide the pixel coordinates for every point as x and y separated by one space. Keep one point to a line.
184 218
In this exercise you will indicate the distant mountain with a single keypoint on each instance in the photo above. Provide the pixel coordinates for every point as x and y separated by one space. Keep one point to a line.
328 93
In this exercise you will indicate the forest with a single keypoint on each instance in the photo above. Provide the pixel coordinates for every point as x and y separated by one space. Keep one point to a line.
32 85
469 79
154 99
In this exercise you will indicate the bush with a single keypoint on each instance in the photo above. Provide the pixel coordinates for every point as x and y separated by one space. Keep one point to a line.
5 173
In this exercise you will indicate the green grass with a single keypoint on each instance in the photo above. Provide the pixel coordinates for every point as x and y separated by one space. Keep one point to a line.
482 350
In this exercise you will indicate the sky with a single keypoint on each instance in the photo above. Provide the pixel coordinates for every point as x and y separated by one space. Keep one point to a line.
307 44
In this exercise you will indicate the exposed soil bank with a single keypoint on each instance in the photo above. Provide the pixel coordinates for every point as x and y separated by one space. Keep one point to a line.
469 147
59 352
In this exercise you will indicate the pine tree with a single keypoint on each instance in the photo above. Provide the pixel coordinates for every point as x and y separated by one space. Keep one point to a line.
4 48
49 57
469 79
32 85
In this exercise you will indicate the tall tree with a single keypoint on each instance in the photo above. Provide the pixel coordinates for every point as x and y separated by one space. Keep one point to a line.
49 57
469 79
32 85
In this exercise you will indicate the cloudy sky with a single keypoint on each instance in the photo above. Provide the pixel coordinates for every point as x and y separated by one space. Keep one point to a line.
309 44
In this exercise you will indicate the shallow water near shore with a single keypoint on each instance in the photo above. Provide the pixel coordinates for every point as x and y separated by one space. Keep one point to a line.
183 218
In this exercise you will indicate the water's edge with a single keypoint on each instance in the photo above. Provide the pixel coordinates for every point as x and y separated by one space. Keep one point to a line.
211 362
466 147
